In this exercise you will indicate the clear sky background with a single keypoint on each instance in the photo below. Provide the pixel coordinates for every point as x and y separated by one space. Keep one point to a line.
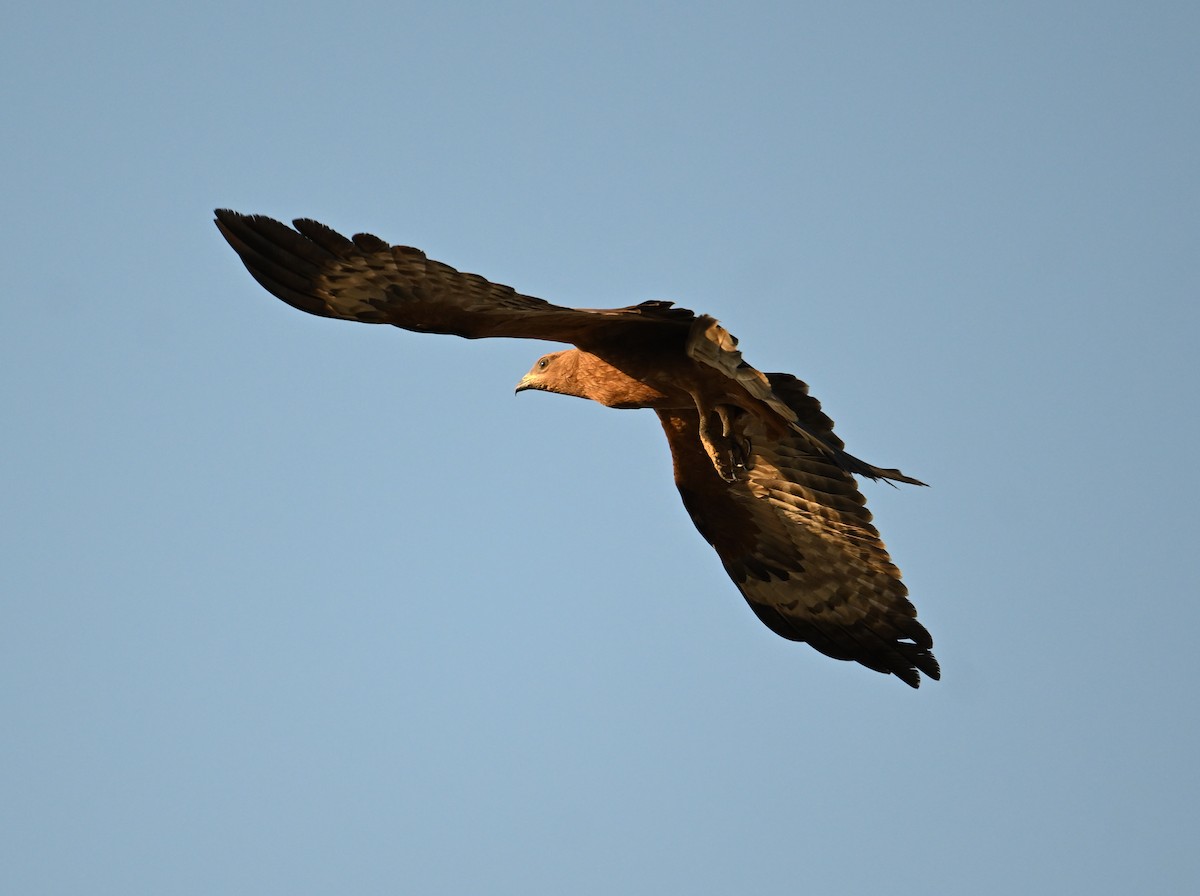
295 606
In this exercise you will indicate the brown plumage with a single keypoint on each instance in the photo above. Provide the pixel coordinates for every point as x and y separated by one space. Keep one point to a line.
757 464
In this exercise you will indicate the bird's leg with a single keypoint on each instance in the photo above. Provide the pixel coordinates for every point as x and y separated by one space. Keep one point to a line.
727 445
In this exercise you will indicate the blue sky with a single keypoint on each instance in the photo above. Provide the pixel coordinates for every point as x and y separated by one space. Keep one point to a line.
297 606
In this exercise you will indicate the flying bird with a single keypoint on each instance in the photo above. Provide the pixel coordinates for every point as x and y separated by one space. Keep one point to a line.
760 471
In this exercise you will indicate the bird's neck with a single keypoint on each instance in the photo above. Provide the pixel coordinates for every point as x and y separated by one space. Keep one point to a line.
613 387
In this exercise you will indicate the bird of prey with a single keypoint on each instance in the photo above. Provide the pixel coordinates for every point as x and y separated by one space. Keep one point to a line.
758 466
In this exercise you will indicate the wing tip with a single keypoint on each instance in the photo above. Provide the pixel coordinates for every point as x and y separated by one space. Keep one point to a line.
923 662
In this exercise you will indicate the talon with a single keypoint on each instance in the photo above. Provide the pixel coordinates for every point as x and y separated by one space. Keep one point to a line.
742 456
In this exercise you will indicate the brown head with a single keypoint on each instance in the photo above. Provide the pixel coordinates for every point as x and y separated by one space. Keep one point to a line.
555 372
582 374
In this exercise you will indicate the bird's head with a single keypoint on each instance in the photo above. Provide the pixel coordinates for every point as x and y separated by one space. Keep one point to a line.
554 372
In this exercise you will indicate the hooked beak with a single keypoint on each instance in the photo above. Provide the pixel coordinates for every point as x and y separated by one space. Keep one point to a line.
525 384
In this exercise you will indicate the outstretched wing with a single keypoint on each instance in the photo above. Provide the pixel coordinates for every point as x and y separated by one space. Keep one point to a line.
316 269
796 538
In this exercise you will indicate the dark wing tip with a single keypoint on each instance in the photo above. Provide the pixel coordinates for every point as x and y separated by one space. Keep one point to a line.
923 661
912 654
852 464
900 647
897 476
285 262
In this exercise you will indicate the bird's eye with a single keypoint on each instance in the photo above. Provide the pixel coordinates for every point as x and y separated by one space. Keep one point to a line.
543 364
